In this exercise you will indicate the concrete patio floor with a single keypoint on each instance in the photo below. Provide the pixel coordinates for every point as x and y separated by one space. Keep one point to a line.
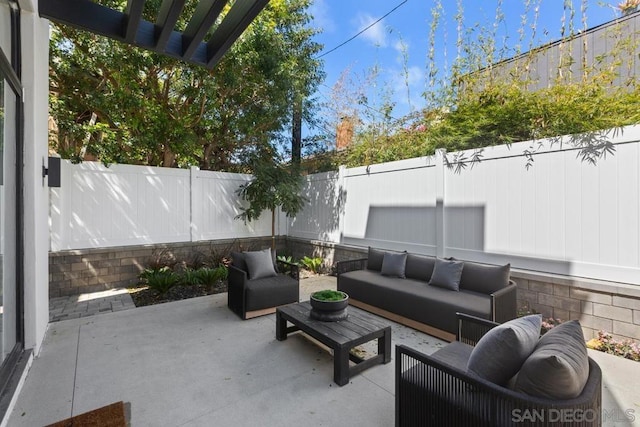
195 363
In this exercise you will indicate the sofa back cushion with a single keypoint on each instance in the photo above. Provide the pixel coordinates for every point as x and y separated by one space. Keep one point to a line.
484 279
419 267
374 260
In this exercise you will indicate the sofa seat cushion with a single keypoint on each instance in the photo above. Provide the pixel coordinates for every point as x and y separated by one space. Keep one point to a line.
414 299
454 354
270 292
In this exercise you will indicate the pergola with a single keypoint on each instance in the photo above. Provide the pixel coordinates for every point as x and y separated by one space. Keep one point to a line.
161 36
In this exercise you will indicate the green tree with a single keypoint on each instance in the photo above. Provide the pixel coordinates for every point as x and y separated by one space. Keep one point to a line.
273 186
126 105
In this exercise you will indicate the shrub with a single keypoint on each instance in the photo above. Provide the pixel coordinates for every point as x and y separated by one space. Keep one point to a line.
312 264
190 277
623 348
160 280
211 276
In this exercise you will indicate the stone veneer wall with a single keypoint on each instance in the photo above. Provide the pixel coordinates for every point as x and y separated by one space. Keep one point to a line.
91 270
598 305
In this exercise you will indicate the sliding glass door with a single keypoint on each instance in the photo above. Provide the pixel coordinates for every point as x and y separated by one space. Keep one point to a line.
10 122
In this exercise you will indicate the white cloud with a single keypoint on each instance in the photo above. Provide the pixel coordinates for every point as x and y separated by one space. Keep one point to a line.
377 34
401 46
321 17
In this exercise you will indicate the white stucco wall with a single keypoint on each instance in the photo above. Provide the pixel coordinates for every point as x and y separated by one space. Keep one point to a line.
35 80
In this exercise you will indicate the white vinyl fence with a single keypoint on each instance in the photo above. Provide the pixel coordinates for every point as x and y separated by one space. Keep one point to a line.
121 205
561 215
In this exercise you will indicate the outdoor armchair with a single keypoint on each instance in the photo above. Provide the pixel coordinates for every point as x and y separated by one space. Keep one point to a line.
251 297
437 390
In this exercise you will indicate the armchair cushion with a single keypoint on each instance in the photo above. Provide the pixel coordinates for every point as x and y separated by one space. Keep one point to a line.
500 353
447 274
393 265
259 264
558 368
237 260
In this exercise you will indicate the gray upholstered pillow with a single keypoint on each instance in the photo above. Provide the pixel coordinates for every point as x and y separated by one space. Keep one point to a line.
259 264
484 279
500 353
558 368
393 264
374 260
446 274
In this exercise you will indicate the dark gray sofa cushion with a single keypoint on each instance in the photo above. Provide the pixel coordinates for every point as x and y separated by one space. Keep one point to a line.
374 259
271 292
237 260
419 267
454 354
393 265
485 279
447 274
501 352
414 299
558 368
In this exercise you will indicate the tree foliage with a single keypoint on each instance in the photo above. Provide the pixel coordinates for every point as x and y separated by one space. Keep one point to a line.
477 102
155 110
273 186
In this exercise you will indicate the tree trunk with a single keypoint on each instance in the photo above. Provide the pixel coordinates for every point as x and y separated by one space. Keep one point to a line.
296 137
273 229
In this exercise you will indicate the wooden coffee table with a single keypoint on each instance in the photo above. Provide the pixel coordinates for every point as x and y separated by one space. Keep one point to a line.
341 336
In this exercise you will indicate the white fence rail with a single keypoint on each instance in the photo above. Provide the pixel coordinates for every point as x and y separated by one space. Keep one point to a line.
562 215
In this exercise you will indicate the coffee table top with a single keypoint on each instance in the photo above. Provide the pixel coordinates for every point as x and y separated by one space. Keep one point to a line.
359 326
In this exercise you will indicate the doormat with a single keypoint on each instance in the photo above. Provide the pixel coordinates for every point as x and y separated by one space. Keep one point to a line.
113 415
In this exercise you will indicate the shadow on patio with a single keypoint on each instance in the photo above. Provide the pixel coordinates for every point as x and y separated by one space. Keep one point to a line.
194 362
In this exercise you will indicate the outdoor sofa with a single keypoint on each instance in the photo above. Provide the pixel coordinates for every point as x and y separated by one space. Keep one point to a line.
425 292
508 378
256 285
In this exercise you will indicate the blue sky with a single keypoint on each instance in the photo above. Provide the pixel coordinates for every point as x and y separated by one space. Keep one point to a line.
409 25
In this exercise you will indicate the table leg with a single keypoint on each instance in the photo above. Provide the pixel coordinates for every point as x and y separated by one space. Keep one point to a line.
281 327
384 345
341 366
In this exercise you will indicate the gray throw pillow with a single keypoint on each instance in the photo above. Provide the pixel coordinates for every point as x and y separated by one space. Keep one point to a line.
393 264
259 264
484 279
500 353
558 368
447 274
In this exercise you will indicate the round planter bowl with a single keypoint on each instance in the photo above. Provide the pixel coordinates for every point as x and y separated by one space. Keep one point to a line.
329 311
